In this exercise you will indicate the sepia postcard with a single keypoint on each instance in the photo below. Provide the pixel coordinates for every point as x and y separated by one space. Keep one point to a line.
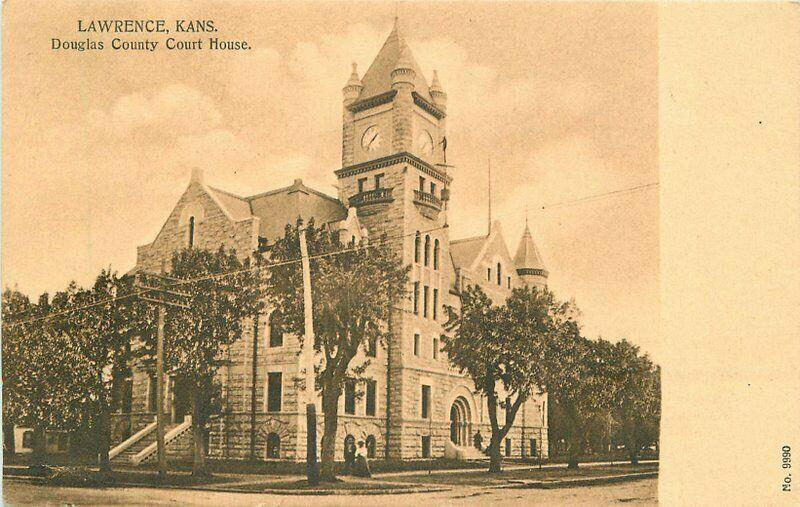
337 252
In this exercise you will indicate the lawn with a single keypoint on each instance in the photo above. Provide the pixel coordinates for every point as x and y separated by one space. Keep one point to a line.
302 485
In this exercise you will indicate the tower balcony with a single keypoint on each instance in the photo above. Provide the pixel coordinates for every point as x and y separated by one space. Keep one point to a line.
376 196
428 200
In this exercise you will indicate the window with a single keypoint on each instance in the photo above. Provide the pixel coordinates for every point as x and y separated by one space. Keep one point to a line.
27 439
426 401
416 298
435 304
370 443
275 329
508 447
489 274
63 440
372 388
362 182
436 254
533 447
152 391
499 275
436 348
378 179
421 184
425 292
427 250
433 188
416 247
426 446
191 232
372 347
274 388
508 279
350 397
508 407
416 344
273 446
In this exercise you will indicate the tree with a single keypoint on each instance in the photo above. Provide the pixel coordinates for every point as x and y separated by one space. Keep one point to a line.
16 307
580 383
499 348
222 291
40 370
100 330
637 404
354 288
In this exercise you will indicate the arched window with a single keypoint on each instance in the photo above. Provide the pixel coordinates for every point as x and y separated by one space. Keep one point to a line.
499 275
191 232
436 254
416 248
275 329
273 446
370 443
427 249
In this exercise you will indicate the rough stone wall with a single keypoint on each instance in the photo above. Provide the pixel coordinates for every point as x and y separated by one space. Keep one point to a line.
348 136
213 230
402 118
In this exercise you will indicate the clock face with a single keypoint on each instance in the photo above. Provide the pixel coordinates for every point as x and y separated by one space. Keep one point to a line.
425 143
372 138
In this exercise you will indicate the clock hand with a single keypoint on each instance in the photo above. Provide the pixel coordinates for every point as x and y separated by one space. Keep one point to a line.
373 138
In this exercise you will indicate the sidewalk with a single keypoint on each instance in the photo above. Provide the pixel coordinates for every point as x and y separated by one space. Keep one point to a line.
525 466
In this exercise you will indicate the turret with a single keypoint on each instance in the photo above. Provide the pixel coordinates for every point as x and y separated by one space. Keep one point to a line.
528 262
353 88
403 72
437 92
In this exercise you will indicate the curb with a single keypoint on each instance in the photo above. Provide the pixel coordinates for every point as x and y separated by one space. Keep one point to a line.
40 481
583 481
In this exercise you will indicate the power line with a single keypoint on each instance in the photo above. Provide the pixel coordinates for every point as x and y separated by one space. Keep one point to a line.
599 196
214 276
179 282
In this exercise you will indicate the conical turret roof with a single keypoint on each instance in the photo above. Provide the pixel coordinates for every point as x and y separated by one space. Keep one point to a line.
378 78
528 255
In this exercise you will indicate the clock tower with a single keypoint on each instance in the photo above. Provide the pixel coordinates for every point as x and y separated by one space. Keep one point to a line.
393 174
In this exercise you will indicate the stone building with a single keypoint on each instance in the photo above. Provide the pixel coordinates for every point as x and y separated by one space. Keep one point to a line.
394 181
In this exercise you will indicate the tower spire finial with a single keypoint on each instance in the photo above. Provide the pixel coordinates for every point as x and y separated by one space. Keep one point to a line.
490 195
526 215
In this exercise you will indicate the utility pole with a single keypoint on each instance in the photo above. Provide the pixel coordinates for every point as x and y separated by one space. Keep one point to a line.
155 289
312 468
162 455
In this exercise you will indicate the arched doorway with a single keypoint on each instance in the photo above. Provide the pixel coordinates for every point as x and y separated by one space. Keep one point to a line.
460 422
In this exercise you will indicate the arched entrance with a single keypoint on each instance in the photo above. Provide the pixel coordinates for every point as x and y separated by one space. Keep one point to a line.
460 422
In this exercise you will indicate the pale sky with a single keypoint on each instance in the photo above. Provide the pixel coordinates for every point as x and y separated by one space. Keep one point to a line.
97 147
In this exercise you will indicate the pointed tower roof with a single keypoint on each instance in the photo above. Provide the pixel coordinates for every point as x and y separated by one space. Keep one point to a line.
378 78
528 256
436 86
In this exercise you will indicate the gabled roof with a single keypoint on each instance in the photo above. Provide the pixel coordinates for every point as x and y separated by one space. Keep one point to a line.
283 206
237 207
528 255
465 251
378 78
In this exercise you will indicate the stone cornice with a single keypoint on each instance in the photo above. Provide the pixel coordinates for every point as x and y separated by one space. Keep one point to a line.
428 106
397 158
370 102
